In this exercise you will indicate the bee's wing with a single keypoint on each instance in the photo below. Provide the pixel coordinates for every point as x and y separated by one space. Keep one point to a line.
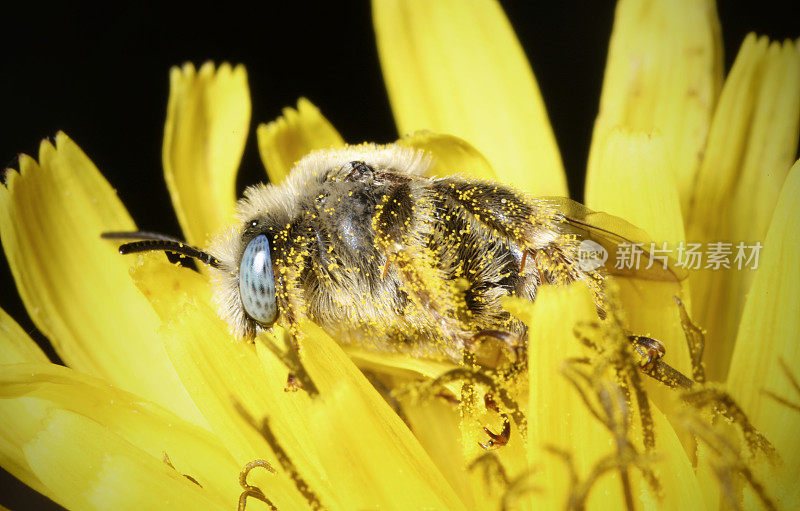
615 234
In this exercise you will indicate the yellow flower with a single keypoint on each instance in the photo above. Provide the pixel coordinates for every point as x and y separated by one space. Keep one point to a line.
158 408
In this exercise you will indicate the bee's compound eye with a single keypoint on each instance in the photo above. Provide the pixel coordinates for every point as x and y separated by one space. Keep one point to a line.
256 282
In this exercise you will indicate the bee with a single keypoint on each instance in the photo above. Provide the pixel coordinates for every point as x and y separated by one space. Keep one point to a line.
362 242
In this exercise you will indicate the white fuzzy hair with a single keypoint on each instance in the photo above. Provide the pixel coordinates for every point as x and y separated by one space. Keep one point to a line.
282 199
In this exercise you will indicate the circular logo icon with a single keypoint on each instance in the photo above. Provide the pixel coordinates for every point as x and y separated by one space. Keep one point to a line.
591 255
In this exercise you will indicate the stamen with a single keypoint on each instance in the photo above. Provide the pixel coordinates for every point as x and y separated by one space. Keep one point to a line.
723 404
793 381
253 491
696 340
726 462
283 458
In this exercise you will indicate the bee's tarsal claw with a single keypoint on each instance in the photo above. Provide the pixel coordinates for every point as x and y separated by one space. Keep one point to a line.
648 348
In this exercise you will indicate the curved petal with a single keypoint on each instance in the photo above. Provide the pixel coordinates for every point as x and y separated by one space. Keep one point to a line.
457 67
436 425
663 74
15 345
351 431
86 467
452 155
172 290
751 147
349 446
397 364
560 419
633 170
16 420
17 348
766 346
291 136
208 116
76 286
218 372
338 441
89 443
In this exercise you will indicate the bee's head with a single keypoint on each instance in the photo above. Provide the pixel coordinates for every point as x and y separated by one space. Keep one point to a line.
246 285
245 281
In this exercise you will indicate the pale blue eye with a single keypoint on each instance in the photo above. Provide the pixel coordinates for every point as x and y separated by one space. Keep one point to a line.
256 282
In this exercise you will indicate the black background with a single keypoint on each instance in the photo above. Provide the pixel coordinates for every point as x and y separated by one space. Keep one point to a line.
101 75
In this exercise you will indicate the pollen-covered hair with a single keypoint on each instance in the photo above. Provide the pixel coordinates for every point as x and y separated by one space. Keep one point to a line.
276 205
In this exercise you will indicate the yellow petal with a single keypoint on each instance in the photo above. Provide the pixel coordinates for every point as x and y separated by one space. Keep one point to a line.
397 364
560 419
663 75
218 372
167 286
457 67
86 467
436 426
368 454
552 400
347 443
768 333
31 393
208 116
173 291
15 348
15 345
291 136
452 155
632 179
76 286
17 424
751 147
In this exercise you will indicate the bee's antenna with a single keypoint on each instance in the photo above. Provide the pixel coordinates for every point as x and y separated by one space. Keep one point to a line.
138 235
151 241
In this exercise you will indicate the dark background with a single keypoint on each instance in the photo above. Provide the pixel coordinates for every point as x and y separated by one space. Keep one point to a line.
101 75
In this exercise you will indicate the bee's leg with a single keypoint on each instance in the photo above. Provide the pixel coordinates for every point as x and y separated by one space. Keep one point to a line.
648 348
498 439
292 305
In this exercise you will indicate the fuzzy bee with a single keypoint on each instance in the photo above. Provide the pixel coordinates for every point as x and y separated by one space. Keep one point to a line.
361 242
